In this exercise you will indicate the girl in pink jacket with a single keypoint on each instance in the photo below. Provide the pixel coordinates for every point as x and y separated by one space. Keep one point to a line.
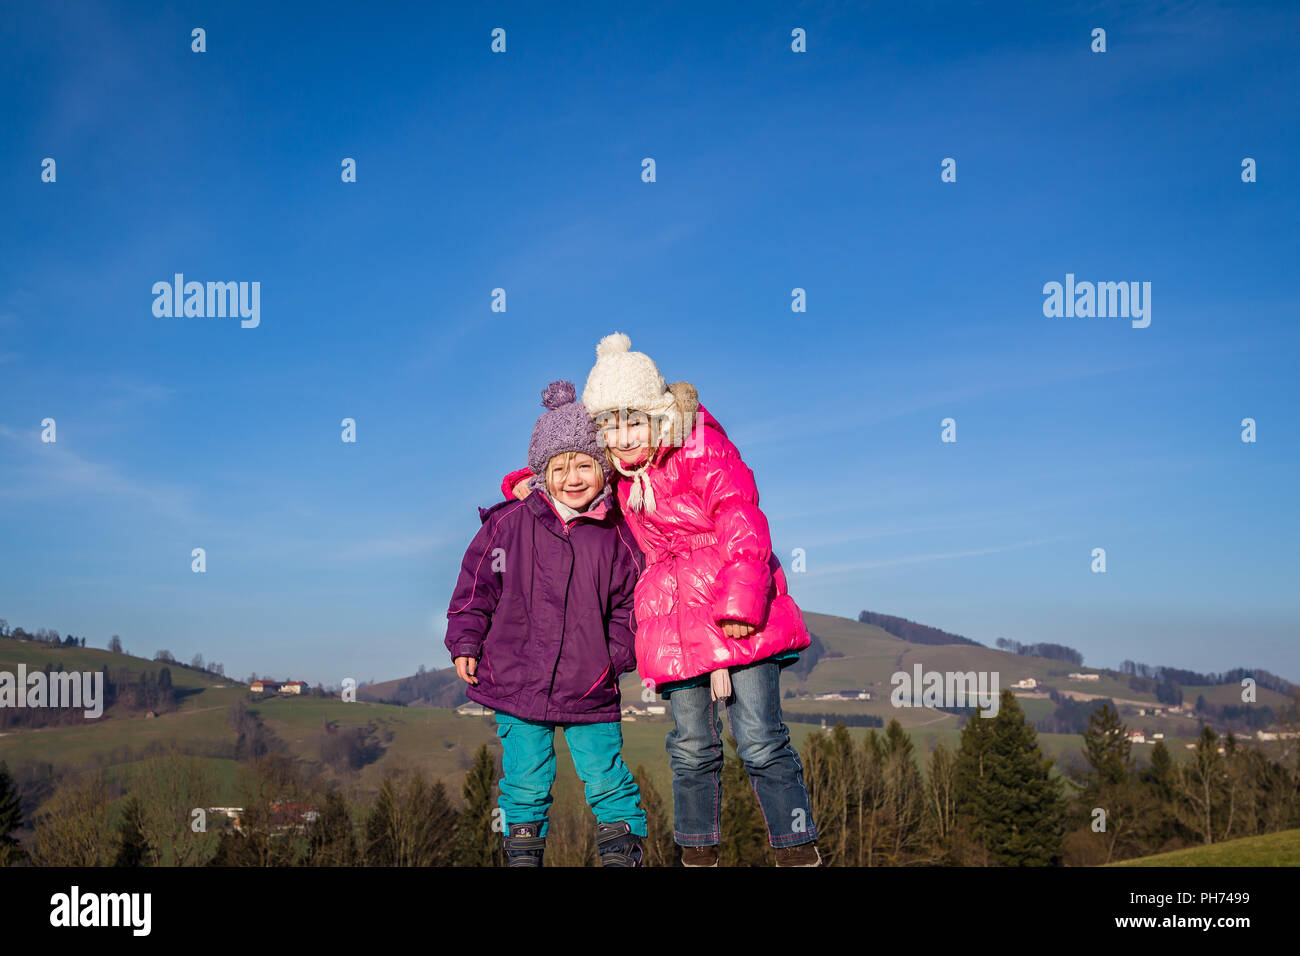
714 619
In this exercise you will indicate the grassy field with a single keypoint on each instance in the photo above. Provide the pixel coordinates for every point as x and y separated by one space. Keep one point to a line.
441 744
1272 849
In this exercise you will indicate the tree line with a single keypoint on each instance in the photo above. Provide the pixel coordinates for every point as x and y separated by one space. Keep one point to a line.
995 800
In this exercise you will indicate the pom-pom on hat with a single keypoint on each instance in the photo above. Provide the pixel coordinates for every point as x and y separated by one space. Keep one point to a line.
622 378
565 426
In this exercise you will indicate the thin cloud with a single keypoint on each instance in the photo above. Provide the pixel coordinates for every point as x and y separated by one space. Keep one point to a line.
921 558
52 470
801 424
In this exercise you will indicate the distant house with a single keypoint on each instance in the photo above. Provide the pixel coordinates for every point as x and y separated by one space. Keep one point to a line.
852 694
1026 683
1157 736
473 709
633 711
1136 736
294 687
656 709
264 686
1085 677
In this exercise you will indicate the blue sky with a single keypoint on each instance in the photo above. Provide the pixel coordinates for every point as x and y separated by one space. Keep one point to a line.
775 170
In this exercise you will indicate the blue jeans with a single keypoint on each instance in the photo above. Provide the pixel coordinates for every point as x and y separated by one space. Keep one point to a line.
763 741
528 763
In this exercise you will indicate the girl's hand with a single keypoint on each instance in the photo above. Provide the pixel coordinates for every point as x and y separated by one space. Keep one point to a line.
737 629
521 489
465 668
720 684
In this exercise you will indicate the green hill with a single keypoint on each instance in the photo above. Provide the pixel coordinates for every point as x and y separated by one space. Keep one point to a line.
1272 849
429 735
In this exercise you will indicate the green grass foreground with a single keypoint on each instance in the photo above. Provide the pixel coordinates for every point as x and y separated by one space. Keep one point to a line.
1271 849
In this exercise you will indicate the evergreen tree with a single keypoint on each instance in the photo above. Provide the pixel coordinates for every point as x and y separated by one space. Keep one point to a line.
1110 801
443 824
1159 782
134 847
330 841
971 779
11 819
660 849
381 836
744 834
1107 749
1019 810
477 844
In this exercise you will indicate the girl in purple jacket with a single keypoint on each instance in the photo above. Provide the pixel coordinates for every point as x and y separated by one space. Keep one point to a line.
540 627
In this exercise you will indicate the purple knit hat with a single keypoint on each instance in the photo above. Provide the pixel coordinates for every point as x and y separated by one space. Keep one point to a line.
565 427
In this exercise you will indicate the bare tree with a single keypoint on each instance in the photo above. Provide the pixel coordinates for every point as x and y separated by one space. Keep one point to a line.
74 827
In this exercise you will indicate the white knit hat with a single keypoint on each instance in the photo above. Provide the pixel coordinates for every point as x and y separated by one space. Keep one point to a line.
622 378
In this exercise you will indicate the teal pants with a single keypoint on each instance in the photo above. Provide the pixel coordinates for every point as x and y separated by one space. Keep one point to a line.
529 766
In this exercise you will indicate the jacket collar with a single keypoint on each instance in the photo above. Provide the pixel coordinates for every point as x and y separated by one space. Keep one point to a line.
539 502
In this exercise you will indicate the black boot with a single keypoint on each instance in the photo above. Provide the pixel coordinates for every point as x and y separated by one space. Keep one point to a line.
524 847
618 845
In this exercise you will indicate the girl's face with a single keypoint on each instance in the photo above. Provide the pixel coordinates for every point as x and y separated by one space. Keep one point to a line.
627 433
576 481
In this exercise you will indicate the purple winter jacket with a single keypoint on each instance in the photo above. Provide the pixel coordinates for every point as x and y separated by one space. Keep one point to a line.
547 609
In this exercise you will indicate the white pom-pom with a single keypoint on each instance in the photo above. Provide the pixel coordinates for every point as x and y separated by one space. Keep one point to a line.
613 344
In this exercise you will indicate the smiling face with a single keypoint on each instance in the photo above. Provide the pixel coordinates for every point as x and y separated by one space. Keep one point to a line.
626 432
574 478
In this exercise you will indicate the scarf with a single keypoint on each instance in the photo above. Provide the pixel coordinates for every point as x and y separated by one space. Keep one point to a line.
642 495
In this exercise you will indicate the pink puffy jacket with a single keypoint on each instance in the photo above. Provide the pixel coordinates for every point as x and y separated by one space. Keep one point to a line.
708 559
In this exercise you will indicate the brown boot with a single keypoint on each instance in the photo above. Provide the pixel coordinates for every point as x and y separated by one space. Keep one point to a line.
699 856
805 854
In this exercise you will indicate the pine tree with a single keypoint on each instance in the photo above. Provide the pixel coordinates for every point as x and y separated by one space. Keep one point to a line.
744 834
1019 807
443 822
330 841
381 836
1107 749
134 848
972 788
477 844
1111 801
1159 782
11 819
660 847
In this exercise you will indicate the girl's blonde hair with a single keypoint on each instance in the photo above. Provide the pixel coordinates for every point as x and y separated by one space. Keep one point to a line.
568 456
670 430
